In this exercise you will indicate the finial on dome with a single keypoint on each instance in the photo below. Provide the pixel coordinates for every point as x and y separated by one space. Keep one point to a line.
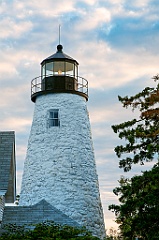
59 48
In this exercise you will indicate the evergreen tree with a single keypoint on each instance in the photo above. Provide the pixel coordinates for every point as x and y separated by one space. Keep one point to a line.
142 134
138 211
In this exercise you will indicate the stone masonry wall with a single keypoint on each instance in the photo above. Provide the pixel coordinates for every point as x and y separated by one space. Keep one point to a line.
60 165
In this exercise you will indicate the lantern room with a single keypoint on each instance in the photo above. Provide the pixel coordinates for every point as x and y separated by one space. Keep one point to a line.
59 64
59 74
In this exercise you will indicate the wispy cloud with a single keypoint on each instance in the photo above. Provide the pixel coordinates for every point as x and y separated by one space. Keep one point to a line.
13 29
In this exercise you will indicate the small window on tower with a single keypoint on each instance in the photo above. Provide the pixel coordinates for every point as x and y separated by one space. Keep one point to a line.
54 118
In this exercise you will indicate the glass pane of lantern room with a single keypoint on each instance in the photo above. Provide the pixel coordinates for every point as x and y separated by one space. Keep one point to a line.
49 68
43 71
69 68
59 68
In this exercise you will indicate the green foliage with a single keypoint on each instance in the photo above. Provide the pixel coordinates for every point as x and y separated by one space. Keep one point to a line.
142 134
139 209
46 231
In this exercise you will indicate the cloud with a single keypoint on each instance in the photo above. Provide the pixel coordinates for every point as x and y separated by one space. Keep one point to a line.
89 2
106 67
13 29
93 19
47 8
17 124
140 3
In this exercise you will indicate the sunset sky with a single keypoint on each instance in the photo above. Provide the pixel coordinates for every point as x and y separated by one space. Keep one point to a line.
116 43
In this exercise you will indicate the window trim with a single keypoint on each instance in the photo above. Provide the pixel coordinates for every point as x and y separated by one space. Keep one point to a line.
53 119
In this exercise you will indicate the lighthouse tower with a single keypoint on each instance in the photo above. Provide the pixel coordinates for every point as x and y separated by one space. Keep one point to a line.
60 164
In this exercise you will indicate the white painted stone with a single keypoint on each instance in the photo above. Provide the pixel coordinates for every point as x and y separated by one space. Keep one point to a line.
60 165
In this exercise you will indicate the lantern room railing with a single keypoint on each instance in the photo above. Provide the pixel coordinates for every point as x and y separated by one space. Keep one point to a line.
38 85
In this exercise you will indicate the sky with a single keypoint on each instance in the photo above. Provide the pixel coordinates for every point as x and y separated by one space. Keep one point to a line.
116 43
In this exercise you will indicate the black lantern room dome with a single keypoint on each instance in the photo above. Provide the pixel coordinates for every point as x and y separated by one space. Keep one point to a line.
59 74
59 55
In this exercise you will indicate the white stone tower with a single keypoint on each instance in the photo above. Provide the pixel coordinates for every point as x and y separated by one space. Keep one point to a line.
60 165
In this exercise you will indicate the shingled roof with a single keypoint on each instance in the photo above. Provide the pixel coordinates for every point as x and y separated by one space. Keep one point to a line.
38 213
7 166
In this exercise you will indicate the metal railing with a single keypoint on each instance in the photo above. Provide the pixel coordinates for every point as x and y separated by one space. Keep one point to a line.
37 84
